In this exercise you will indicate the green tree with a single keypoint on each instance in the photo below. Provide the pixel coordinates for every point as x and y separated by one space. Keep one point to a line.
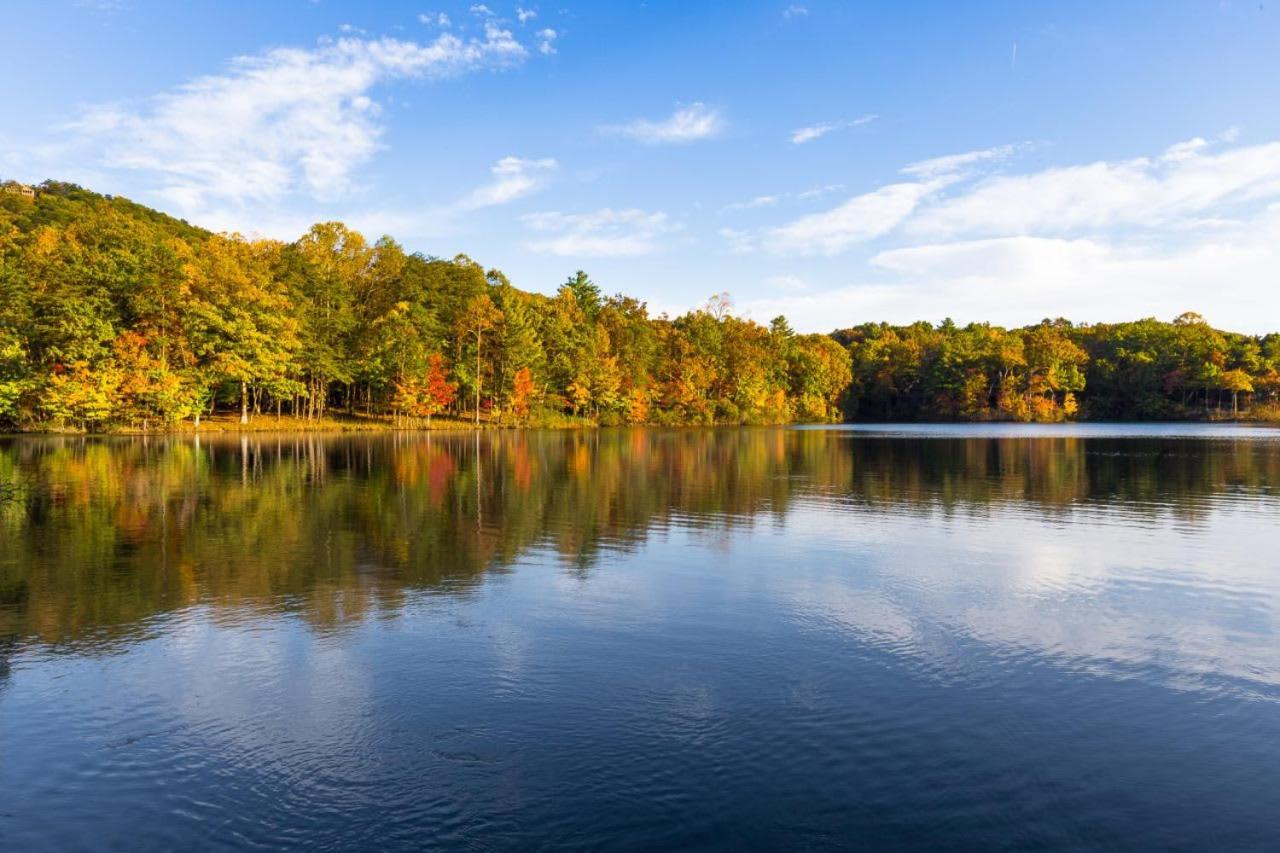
480 317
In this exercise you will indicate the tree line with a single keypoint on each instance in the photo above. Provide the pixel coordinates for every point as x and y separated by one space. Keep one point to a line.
1057 370
113 315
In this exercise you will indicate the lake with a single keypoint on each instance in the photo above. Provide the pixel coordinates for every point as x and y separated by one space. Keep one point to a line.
643 639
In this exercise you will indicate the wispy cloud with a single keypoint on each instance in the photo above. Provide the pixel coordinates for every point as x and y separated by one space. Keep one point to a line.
289 120
753 203
956 162
788 282
773 199
524 15
801 135
439 19
1016 280
1101 241
863 217
687 124
601 233
513 178
1185 182
795 11
817 192
105 6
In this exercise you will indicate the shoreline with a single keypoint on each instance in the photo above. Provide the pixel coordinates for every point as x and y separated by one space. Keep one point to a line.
269 425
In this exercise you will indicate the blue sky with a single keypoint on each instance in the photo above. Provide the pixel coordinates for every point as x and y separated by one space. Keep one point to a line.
836 162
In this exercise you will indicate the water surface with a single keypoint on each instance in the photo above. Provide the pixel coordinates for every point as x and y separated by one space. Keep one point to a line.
706 639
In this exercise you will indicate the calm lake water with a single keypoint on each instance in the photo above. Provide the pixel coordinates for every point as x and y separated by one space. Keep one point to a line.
696 639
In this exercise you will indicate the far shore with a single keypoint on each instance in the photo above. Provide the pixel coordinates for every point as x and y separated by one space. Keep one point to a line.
229 424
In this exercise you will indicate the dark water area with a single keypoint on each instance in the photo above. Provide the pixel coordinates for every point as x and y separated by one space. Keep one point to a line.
917 637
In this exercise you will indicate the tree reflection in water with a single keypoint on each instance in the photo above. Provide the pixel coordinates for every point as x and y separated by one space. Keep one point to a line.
107 533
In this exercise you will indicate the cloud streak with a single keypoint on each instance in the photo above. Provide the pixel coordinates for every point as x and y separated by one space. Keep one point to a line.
513 178
604 233
1183 183
863 217
688 124
801 135
1187 186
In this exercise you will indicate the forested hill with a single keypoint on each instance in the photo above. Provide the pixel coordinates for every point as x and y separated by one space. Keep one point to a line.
113 315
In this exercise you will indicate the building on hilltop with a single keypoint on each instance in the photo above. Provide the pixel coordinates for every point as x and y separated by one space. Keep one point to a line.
15 188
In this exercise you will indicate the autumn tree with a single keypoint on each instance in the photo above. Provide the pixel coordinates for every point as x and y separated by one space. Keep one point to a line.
522 391
480 317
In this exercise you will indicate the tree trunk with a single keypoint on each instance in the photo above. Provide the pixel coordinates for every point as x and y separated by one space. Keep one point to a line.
244 402
477 378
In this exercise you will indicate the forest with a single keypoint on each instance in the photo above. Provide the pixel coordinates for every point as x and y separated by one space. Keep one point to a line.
114 316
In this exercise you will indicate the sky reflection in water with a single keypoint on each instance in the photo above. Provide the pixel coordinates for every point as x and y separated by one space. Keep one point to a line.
703 638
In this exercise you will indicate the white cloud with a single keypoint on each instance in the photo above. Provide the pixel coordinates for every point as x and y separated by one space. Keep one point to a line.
602 233
801 135
513 178
861 218
524 15
104 6
751 204
864 217
687 124
788 282
1185 181
547 41
795 11
285 121
818 192
440 19
1192 228
1017 280
773 199
1182 189
481 10
956 162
